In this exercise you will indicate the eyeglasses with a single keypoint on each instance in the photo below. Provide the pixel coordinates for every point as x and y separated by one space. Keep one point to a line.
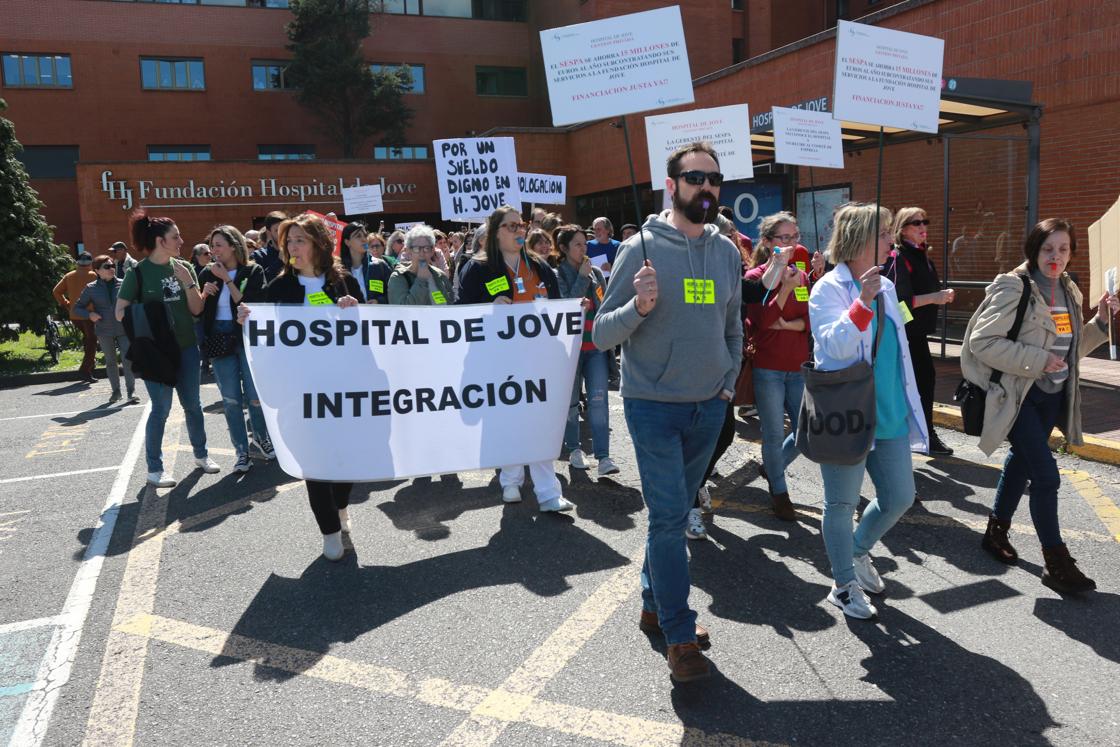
696 178
376 246
421 247
515 227
107 266
787 238
204 254
922 222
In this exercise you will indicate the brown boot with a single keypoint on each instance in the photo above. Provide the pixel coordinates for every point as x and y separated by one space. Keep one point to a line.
995 541
1062 574
783 509
648 623
686 663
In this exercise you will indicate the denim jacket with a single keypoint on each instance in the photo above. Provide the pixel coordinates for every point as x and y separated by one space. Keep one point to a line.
839 343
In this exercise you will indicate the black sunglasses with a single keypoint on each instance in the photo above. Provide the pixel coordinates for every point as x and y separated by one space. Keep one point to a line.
696 178
923 222
107 266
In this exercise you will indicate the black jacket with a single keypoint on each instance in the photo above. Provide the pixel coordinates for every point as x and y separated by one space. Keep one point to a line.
286 288
268 257
913 274
475 276
250 281
377 270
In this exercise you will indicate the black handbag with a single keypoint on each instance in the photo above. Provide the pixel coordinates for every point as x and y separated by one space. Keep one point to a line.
220 344
972 398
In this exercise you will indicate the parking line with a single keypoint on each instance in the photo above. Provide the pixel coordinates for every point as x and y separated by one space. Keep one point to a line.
54 671
1107 511
71 473
65 414
12 690
22 625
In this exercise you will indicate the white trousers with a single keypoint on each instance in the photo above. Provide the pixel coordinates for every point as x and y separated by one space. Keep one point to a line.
545 483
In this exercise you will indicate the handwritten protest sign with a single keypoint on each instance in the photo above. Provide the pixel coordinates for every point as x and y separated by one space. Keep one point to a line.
543 188
887 77
363 199
806 138
495 380
727 128
619 65
476 176
334 225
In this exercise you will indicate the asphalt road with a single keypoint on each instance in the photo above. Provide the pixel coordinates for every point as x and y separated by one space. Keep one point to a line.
207 616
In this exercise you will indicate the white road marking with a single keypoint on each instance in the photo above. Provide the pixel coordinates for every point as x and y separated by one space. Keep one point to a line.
54 670
7 480
67 414
39 622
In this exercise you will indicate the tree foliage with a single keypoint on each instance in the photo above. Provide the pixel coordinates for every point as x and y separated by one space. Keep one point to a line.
33 262
334 79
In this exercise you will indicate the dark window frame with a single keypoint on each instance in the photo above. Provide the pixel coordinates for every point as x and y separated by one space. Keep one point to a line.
39 57
478 69
172 60
194 150
282 64
308 154
411 66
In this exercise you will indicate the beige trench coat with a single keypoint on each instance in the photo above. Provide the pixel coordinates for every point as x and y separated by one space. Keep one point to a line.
986 348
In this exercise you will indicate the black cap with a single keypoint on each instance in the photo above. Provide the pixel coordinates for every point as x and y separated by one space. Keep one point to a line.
85 259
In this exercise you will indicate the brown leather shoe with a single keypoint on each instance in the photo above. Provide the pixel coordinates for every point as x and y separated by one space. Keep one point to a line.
686 663
783 509
648 623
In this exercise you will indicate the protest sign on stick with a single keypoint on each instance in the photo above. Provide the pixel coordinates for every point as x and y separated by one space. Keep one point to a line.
362 199
545 189
804 138
727 128
335 226
476 176
495 380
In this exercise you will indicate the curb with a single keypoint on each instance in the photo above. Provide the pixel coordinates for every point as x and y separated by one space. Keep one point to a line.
1094 449
46 377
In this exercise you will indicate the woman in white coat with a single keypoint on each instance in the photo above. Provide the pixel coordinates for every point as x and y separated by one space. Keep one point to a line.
842 313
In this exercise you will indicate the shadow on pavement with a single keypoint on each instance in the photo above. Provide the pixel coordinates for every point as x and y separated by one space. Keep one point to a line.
1090 618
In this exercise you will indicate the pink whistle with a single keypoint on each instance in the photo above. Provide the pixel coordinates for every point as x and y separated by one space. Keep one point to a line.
707 204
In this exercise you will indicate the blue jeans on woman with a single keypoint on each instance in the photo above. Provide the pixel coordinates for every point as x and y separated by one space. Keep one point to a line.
1030 459
892 472
673 442
777 394
186 386
591 368
237 388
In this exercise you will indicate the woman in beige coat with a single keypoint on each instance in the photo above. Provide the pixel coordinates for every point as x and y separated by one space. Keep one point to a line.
1040 388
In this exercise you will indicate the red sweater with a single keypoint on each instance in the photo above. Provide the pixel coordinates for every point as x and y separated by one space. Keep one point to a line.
778 350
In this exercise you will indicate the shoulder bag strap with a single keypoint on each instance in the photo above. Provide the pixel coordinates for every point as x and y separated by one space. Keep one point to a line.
878 327
1020 313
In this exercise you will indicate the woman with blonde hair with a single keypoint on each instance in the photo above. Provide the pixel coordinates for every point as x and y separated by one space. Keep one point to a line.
847 307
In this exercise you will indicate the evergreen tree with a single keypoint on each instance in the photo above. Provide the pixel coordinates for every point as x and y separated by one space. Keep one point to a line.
33 263
335 81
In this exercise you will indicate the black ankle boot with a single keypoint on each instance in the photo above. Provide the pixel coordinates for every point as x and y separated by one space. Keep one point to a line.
1062 574
996 542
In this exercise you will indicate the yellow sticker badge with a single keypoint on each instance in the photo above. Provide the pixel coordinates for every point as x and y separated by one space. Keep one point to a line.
497 285
319 299
801 293
904 310
800 265
1062 322
376 286
699 291
438 298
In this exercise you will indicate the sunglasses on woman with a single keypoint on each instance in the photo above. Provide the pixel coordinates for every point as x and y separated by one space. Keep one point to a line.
922 222
107 266
696 178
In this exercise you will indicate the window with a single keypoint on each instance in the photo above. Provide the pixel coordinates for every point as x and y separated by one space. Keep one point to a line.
496 10
172 74
49 161
401 152
738 50
178 152
270 76
501 81
416 70
402 7
286 152
736 4
37 71
449 8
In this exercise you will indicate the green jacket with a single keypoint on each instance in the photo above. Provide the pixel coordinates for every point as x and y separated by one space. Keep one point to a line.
405 289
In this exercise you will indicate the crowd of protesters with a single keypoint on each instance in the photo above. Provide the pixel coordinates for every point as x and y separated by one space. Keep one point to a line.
771 308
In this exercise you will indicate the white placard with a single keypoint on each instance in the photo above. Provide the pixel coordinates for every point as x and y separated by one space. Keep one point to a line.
545 189
406 226
476 176
619 65
804 138
727 128
363 199
365 391
886 77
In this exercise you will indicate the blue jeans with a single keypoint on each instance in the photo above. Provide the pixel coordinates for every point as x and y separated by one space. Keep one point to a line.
237 388
673 442
591 368
160 394
1030 459
892 471
778 393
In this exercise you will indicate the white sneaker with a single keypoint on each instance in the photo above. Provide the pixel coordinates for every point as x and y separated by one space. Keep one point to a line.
161 480
242 464
608 467
332 546
705 499
867 576
208 465
559 503
695 529
511 494
344 519
577 459
853 601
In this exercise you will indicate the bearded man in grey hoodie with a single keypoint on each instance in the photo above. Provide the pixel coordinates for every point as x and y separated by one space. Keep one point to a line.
674 308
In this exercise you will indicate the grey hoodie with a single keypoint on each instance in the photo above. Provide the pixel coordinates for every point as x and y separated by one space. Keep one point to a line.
681 351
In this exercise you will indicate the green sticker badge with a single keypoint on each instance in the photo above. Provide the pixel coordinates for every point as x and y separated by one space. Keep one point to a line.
801 293
699 291
903 309
497 285
319 299
376 286
438 299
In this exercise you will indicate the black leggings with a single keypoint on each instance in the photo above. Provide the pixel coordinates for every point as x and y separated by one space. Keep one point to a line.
326 499
726 436
925 375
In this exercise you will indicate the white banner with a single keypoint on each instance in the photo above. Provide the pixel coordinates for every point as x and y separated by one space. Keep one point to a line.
363 199
887 77
384 392
619 65
727 128
476 176
406 226
804 138
543 189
